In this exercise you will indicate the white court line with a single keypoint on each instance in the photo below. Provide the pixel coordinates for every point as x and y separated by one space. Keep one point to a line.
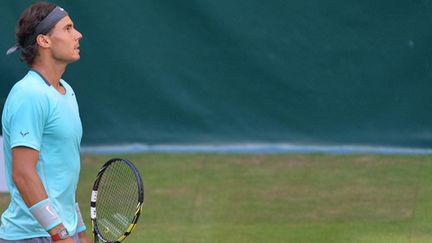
259 148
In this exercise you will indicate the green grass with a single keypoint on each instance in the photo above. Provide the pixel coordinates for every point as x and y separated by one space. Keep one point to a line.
277 198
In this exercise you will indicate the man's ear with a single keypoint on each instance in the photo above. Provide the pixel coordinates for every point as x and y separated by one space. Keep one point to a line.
43 41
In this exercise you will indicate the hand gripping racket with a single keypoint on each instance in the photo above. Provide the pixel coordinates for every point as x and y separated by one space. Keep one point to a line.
116 200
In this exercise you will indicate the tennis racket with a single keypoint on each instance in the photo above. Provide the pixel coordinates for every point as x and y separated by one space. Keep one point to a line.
116 200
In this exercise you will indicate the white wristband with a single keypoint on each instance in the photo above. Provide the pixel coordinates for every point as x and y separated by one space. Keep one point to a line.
80 226
45 214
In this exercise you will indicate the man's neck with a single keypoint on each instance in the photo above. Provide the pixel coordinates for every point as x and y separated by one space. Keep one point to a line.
52 73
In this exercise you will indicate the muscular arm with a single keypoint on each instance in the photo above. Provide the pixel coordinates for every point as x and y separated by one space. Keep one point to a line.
24 175
27 180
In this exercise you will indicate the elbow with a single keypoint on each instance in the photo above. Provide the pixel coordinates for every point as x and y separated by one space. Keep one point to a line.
16 178
19 178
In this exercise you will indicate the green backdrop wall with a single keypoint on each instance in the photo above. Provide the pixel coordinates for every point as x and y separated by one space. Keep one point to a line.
303 72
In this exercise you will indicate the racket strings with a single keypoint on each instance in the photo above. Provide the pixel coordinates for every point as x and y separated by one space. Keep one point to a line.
117 200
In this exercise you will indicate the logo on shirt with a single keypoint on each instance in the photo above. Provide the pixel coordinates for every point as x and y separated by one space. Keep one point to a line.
23 134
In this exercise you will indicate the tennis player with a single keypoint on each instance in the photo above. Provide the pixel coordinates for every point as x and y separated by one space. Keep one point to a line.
42 133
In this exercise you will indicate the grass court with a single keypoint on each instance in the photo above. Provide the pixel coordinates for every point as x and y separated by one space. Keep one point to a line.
211 198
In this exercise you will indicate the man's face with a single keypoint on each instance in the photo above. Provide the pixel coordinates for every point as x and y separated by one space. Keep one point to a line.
65 41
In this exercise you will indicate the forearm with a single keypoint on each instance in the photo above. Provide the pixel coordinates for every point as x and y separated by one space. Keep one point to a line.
34 195
30 186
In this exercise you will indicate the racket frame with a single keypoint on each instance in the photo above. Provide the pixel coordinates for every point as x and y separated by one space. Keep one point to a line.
93 200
